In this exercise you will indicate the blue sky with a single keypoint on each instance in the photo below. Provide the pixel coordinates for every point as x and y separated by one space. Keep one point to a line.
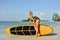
16 10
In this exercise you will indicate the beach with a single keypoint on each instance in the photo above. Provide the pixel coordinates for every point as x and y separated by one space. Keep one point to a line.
54 36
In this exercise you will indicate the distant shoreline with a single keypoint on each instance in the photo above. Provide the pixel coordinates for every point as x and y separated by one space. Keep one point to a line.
41 20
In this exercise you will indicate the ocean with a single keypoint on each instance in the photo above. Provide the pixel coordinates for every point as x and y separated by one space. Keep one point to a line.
6 24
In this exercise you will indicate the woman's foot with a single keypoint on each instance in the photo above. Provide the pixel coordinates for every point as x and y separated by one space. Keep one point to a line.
36 35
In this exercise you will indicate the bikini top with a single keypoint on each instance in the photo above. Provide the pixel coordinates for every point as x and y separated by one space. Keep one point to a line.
35 18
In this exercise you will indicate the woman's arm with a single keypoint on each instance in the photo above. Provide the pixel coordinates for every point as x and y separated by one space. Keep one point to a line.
31 18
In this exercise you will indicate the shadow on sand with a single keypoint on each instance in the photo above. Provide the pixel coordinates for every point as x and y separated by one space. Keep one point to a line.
53 34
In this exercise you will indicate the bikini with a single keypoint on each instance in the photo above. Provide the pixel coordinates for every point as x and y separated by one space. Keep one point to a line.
35 18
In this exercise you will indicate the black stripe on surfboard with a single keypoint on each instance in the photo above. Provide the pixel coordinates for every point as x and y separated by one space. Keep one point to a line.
23 30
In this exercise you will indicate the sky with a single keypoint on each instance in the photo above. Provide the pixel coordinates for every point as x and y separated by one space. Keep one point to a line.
16 10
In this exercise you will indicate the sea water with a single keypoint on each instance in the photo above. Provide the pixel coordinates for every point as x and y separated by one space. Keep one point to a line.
6 24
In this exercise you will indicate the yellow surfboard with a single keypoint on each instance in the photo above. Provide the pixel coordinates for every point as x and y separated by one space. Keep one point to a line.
29 30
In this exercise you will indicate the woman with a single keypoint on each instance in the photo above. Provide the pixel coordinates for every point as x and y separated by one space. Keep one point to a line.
37 23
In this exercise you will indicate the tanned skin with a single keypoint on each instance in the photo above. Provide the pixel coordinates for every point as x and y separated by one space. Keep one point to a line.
36 25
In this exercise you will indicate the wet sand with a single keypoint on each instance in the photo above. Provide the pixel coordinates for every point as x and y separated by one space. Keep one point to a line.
54 36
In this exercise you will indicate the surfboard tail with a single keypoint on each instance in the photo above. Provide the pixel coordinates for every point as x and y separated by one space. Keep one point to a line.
7 31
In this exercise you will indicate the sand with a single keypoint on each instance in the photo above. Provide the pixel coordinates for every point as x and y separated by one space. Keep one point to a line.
54 36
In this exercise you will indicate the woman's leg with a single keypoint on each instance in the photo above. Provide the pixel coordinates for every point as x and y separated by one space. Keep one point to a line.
37 27
36 30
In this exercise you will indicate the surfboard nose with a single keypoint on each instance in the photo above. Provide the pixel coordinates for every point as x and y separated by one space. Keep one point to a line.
7 31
